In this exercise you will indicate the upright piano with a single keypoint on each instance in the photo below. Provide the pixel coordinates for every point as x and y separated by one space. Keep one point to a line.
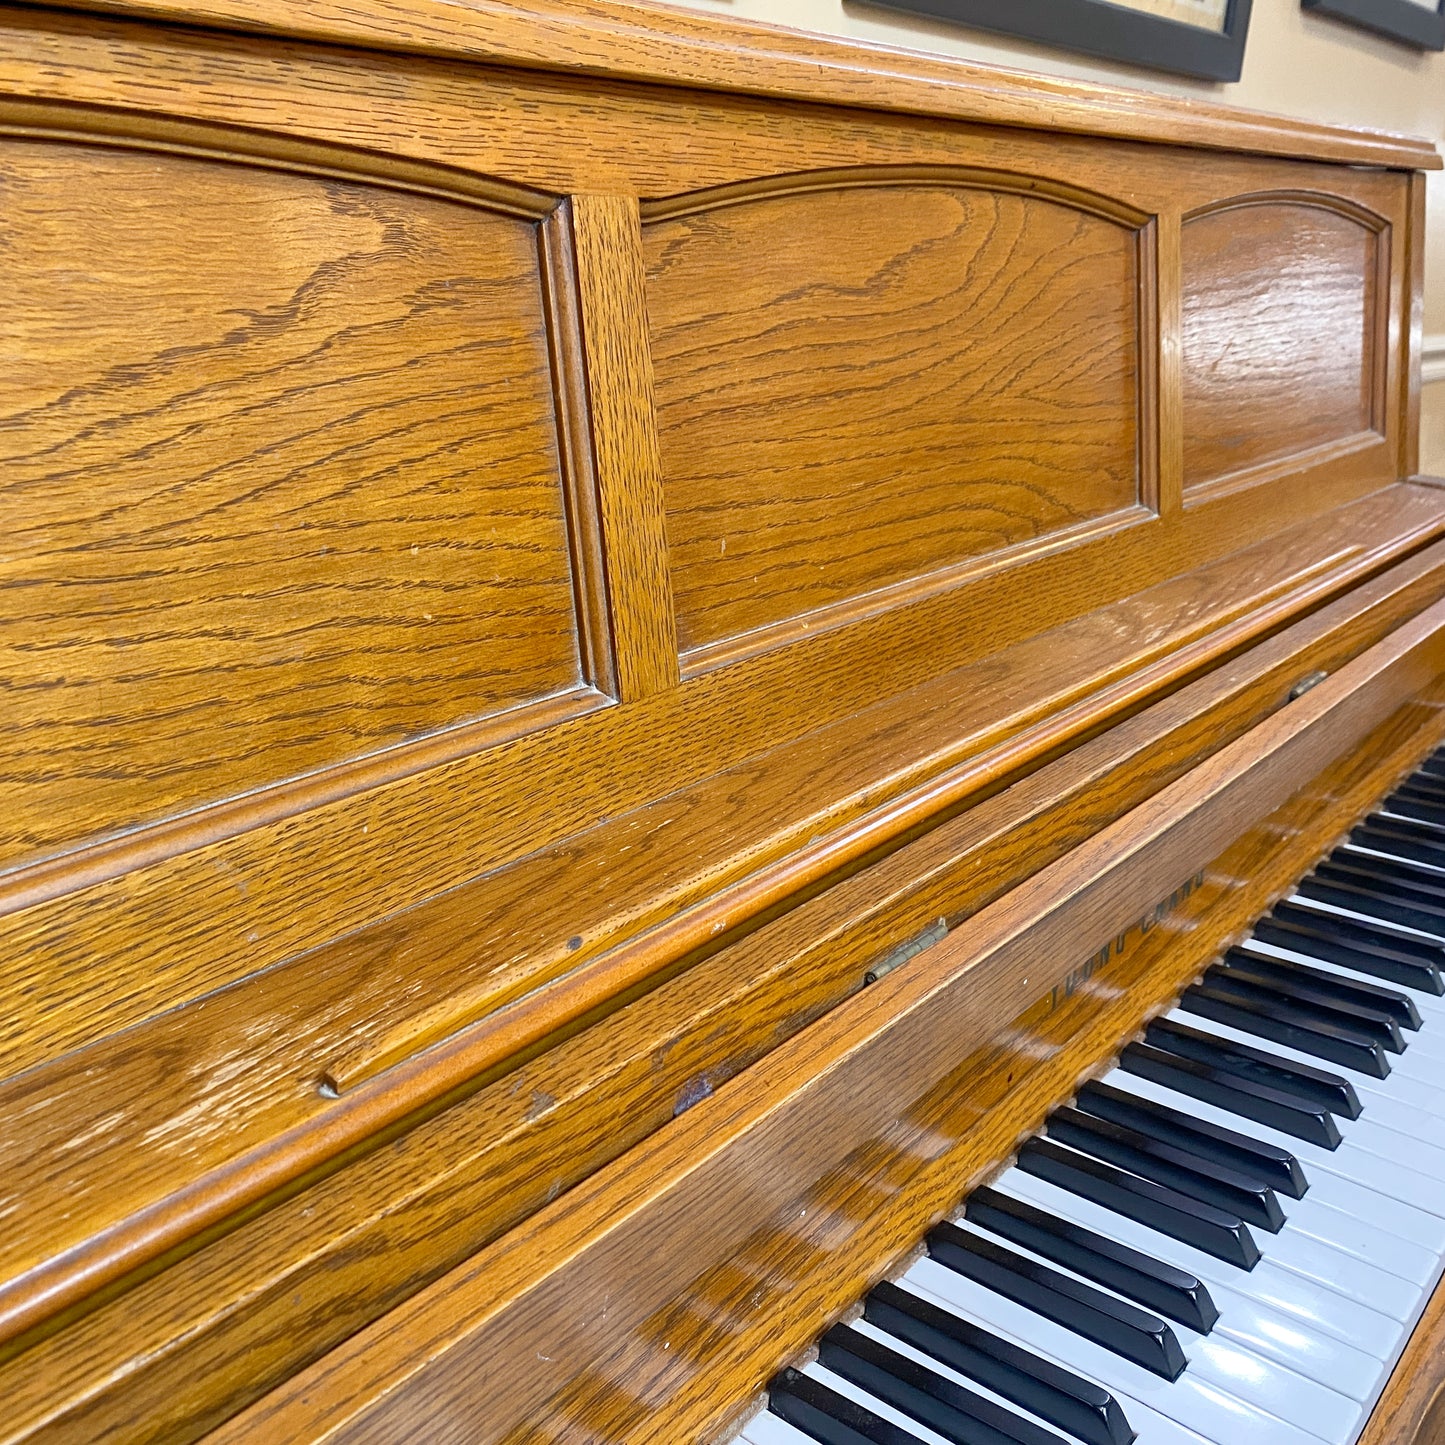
708 736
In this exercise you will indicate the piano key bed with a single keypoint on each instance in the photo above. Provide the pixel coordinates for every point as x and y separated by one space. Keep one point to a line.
1226 1238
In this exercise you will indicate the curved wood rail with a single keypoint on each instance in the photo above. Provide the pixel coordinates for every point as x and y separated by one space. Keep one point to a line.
639 41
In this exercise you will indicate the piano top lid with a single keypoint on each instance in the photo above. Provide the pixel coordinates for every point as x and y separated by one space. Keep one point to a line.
638 41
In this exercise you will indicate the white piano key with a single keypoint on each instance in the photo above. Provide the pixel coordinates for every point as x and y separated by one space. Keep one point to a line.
1344 1342
768 1429
1258 1329
1263 1402
1364 1239
1404 1221
1385 1176
1346 1273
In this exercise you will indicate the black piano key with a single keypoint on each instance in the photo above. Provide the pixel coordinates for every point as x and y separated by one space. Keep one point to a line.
1434 764
1174 1292
1417 796
1409 891
1255 1157
1216 1232
1419 788
1398 870
1306 1083
1322 1041
1115 1324
1170 1165
1405 806
952 1410
1359 948
1426 781
1284 1112
1366 1025
1397 825
1076 1405
1316 985
828 1417
1400 838
1427 788
1369 932
1362 900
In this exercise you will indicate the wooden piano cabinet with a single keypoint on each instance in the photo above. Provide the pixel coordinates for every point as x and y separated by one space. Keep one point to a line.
1411 1411
676 1280
539 541
405 1214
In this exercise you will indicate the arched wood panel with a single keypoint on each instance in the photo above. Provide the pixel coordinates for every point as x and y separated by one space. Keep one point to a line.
863 380
1284 336
281 480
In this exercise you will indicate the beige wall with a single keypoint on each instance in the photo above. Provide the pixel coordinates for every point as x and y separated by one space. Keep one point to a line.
1294 64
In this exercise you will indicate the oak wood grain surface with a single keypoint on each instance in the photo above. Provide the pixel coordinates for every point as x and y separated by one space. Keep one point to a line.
856 387
1156 635
285 440
460 656
200 71
1282 338
549 1304
173 1124
381 850
178 1353
661 43
611 295
1411 1410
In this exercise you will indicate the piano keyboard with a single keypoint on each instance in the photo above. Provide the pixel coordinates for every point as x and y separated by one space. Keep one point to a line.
1229 1237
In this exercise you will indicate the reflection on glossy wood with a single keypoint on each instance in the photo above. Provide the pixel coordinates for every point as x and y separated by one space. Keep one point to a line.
451 1185
632 1297
463 810
1282 338
281 481
861 383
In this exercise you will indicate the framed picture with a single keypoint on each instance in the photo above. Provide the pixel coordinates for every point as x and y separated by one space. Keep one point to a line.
1420 23
1203 38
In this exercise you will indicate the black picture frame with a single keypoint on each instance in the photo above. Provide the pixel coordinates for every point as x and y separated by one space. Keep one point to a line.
1112 32
1411 25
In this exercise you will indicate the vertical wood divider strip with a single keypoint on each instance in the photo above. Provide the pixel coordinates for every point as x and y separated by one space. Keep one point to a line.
1412 326
607 236
1168 311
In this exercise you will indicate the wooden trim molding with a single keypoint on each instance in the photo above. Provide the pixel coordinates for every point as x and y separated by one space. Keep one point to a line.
973 178
1432 359
630 40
